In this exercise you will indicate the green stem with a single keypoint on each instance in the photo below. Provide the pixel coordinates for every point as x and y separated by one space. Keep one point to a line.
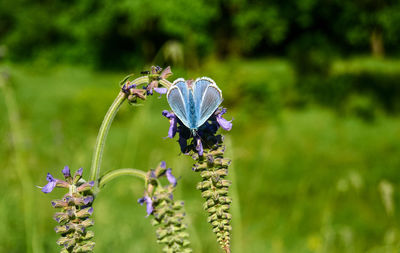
121 172
103 131
102 136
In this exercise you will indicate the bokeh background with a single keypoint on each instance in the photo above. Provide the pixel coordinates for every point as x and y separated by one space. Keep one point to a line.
313 87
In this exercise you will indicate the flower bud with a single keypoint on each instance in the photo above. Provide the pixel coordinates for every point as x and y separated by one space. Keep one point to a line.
87 223
77 175
86 212
59 203
85 186
86 247
61 217
63 229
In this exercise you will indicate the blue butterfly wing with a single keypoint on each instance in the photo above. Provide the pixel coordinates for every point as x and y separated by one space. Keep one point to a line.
207 97
199 87
177 97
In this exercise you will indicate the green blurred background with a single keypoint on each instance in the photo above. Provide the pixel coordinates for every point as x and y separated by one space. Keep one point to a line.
313 87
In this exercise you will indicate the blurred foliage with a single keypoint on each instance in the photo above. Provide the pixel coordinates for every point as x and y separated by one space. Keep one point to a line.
115 34
307 180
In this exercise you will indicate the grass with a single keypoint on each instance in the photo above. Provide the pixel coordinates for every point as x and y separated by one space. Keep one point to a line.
307 180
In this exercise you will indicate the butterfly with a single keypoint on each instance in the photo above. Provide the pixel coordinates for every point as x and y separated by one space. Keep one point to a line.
194 102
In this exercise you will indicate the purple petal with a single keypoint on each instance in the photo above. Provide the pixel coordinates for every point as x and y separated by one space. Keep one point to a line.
50 178
163 164
131 86
167 114
199 146
141 201
223 111
173 127
152 174
226 125
66 172
88 199
161 90
50 185
79 172
170 177
77 175
149 204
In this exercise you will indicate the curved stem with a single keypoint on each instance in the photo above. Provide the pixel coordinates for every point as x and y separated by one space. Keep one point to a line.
105 126
102 135
121 172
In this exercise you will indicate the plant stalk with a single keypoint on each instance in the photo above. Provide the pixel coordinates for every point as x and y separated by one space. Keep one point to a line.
103 132
121 172
102 136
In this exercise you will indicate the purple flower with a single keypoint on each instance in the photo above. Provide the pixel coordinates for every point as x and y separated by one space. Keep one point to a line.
225 124
153 174
87 199
163 164
170 177
199 145
161 90
50 185
77 175
149 204
131 86
127 86
66 171
172 123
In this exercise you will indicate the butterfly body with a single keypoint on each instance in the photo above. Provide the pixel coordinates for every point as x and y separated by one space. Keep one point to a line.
194 102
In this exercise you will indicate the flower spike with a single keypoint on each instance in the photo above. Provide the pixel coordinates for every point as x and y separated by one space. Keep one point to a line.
166 212
76 208
207 149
